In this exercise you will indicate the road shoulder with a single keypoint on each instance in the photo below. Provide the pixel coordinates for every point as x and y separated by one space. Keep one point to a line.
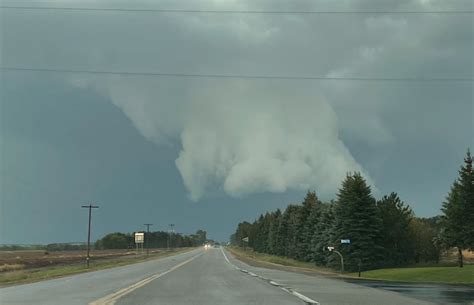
325 289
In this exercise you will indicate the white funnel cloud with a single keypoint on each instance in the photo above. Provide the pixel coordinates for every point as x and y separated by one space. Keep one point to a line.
243 137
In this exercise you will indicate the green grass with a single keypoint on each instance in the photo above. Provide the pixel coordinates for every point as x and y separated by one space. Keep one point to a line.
39 274
452 275
437 274
247 255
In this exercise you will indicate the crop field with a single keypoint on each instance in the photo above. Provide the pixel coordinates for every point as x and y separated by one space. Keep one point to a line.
25 266
28 259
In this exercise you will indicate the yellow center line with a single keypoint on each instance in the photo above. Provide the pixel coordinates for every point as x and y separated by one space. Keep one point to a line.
113 297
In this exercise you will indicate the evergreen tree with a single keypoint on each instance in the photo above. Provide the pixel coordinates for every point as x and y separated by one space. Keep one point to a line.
458 212
243 230
306 221
452 221
396 230
466 182
275 219
323 234
257 235
357 219
281 239
260 229
293 214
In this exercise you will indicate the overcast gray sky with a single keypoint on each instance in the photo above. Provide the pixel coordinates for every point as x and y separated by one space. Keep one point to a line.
210 152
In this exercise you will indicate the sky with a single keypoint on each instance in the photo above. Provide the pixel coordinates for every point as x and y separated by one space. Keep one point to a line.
209 152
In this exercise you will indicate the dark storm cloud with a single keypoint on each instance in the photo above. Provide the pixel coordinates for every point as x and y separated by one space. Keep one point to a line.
264 135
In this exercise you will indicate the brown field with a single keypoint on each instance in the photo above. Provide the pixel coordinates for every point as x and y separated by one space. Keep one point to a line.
451 256
27 266
468 254
28 259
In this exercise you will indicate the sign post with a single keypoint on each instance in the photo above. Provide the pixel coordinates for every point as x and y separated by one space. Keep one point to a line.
148 233
245 240
332 249
139 240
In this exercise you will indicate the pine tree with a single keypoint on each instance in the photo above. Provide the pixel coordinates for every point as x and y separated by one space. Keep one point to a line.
273 232
458 211
281 238
323 234
466 183
244 229
357 219
396 230
293 213
305 227
264 233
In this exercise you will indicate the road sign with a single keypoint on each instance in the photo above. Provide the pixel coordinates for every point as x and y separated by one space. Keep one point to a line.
139 238
246 239
345 241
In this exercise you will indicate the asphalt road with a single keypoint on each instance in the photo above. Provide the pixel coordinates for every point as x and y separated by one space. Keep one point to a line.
199 277
86 287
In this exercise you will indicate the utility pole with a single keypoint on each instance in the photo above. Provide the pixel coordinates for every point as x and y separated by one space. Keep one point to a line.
169 233
147 233
90 207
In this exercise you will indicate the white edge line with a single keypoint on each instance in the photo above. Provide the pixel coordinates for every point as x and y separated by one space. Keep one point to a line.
225 256
288 290
304 298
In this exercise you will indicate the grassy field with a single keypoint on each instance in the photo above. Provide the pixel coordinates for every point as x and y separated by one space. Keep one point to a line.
452 275
438 274
16 274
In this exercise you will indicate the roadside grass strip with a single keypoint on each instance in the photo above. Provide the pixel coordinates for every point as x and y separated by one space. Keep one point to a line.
445 275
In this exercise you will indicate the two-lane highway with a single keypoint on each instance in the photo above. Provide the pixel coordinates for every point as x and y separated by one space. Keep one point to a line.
199 277
208 280
86 287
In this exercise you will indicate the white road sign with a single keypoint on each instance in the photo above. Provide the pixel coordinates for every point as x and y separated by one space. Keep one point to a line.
139 238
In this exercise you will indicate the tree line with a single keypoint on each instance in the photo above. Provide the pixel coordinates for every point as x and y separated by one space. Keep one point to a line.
382 233
158 239
118 240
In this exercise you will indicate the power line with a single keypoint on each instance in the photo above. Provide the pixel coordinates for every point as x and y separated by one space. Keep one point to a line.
196 11
242 76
